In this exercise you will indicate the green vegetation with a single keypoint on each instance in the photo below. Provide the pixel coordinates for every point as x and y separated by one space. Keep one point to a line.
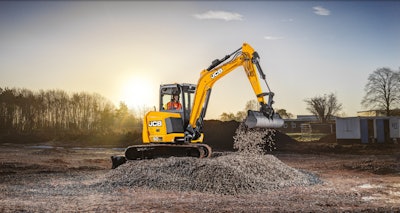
306 137
29 116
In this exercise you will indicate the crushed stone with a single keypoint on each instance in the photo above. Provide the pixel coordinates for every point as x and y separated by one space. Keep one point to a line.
231 173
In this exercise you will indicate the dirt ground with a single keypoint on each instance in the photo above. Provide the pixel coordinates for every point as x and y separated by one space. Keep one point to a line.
51 178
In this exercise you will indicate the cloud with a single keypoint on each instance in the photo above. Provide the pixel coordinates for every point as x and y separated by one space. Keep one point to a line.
287 20
321 11
218 14
273 38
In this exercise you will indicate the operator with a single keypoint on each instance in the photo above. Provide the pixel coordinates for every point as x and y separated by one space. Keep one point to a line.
174 104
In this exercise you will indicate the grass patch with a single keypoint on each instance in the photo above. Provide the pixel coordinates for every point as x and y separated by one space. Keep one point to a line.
306 137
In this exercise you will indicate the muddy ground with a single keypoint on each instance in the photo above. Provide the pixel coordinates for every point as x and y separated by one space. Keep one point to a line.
52 177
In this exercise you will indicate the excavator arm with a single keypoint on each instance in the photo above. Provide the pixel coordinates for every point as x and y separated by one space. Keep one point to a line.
249 60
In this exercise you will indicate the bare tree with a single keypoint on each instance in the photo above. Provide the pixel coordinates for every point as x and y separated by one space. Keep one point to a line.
252 105
324 107
382 91
227 116
284 114
240 115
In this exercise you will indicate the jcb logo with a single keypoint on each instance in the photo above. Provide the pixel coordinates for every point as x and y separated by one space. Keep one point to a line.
155 123
216 73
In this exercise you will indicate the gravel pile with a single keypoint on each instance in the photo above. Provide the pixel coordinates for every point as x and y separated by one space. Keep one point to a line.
248 170
232 173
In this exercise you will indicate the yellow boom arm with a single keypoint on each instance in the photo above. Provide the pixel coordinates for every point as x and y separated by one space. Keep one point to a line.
244 56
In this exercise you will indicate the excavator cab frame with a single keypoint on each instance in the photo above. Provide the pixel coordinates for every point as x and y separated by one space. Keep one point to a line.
186 98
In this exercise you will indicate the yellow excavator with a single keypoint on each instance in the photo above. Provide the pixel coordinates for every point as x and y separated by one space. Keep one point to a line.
177 131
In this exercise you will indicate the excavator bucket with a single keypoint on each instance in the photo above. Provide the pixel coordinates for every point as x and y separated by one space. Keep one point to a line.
257 119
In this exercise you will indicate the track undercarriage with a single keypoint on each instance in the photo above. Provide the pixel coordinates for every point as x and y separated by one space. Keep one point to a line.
150 151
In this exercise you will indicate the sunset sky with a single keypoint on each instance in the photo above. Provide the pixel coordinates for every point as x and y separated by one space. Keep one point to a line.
123 50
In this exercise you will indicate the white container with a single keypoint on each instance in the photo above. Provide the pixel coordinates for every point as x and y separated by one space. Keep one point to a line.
348 128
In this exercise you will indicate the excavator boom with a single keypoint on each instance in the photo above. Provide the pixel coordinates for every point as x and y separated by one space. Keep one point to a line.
244 57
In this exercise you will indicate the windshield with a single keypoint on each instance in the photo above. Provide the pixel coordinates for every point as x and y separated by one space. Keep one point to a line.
176 97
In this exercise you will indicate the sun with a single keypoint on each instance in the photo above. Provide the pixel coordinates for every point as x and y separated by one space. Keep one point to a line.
137 91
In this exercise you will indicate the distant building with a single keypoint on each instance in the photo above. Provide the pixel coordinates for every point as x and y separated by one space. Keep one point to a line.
307 118
377 129
291 125
378 113
310 121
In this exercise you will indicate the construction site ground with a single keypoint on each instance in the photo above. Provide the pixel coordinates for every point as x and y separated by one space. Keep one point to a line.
52 177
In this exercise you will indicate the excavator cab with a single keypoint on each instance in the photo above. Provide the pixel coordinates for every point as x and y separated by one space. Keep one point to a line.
185 94
168 124
163 130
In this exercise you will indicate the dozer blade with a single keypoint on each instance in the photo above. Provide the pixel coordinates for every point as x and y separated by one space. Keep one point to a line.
257 119
150 151
117 161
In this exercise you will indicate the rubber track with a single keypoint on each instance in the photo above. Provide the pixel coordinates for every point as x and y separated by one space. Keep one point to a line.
150 151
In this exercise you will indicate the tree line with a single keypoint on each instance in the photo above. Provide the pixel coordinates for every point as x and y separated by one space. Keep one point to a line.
56 113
